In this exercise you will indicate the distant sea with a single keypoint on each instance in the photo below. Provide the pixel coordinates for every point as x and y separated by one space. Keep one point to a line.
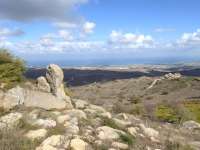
109 62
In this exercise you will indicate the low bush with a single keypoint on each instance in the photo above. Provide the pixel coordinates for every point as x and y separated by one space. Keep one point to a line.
167 113
11 69
194 109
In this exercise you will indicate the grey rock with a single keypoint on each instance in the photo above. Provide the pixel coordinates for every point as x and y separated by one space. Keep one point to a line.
43 85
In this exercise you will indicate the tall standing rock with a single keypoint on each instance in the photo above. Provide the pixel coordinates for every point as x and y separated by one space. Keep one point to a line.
55 78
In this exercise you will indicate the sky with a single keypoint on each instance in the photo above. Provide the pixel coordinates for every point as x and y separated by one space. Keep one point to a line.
101 31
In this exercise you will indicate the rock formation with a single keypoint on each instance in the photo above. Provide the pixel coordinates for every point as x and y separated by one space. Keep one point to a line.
50 93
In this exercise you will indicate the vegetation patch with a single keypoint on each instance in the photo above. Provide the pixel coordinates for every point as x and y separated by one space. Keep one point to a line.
167 114
127 138
110 123
14 140
194 108
11 69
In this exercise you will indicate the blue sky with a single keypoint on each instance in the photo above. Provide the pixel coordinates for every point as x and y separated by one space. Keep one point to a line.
59 30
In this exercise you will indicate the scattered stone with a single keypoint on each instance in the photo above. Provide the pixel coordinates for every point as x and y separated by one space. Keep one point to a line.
106 115
118 145
10 121
108 133
55 142
63 118
149 132
36 134
121 123
76 113
78 144
71 127
132 131
97 109
191 125
80 104
45 123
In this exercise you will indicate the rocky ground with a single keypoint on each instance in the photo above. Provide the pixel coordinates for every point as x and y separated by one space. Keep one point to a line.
98 116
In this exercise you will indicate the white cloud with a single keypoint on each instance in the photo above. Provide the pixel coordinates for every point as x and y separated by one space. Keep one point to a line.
130 40
161 30
88 27
190 39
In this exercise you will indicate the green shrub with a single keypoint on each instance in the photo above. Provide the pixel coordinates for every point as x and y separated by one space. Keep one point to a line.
127 138
194 109
110 123
11 69
167 114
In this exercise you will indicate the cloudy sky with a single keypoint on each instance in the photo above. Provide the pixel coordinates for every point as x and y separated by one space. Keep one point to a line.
87 30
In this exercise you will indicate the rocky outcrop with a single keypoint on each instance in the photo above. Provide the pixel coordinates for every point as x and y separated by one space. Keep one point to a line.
172 76
49 95
55 78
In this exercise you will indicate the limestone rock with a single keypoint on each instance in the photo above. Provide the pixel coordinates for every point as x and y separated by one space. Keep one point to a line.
10 121
55 142
43 100
108 133
171 76
45 123
118 145
36 134
149 132
121 123
43 85
76 113
55 78
191 125
132 131
78 144
80 104
13 97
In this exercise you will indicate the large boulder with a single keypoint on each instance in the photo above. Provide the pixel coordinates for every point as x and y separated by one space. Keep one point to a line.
13 97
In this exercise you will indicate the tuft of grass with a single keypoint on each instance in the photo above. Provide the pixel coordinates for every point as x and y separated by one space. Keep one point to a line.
167 114
110 123
11 69
194 108
14 140
59 129
127 138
